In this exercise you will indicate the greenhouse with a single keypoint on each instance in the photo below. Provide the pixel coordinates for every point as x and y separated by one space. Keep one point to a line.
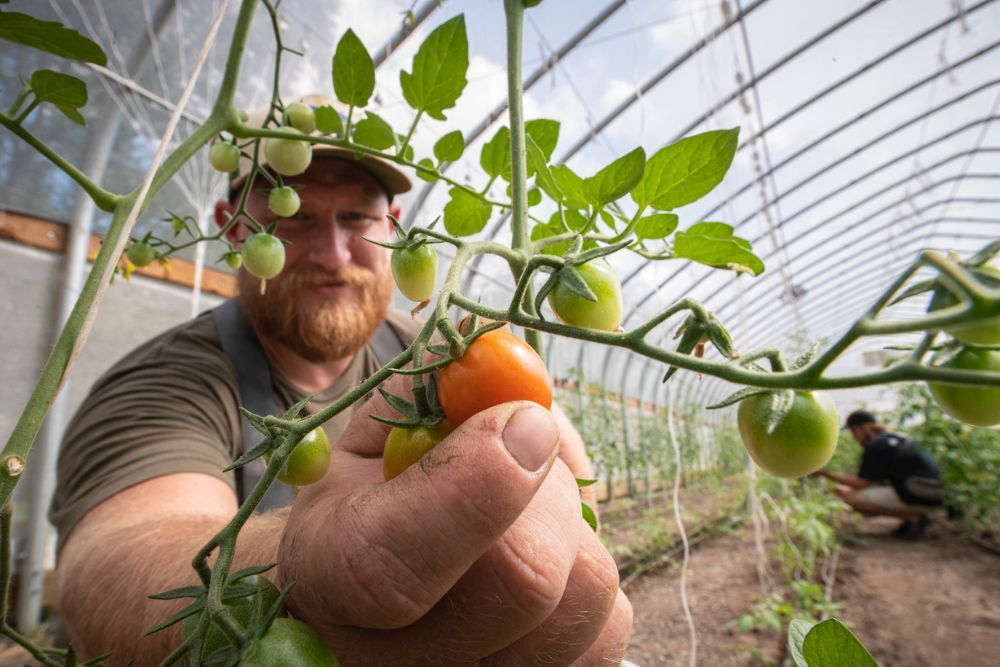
520 332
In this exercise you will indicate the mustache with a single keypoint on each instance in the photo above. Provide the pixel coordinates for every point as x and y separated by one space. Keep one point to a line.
311 277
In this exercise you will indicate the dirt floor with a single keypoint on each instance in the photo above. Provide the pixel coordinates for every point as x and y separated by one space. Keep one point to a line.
934 602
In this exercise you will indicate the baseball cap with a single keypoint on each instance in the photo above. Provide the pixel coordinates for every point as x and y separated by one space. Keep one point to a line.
860 417
385 172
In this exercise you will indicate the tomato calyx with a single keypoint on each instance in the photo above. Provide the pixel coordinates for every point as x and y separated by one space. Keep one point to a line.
698 330
565 274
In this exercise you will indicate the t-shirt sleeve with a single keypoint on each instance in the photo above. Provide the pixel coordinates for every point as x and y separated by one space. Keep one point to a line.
876 461
157 412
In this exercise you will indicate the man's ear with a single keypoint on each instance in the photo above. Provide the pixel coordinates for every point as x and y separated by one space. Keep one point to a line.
223 212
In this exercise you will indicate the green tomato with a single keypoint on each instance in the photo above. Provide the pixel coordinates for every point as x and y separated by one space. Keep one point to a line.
983 332
979 406
288 157
289 643
301 117
406 446
234 260
415 271
224 157
284 201
604 314
141 254
309 461
802 443
263 255
262 595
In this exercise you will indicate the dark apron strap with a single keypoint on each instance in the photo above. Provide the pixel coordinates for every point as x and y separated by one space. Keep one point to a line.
253 376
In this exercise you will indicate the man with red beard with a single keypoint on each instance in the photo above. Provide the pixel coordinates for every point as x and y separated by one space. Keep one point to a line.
479 554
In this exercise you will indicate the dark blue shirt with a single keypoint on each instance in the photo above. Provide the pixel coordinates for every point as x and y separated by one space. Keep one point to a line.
893 458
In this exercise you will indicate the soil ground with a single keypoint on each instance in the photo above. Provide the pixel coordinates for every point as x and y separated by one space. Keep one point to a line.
933 602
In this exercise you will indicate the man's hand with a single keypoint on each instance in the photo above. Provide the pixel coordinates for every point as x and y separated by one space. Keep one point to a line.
477 554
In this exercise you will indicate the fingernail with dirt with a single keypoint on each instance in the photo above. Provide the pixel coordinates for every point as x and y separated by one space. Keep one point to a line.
530 436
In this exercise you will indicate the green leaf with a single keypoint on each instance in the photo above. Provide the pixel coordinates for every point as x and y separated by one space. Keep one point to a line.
570 185
353 71
687 170
797 631
375 132
581 483
495 156
831 644
67 93
570 278
539 232
738 396
50 36
573 219
328 120
439 70
545 134
538 165
449 147
465 214
534 197
427 175
589 516
713 243
616 179
656 226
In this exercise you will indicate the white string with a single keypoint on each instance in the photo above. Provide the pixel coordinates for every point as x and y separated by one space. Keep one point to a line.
680 526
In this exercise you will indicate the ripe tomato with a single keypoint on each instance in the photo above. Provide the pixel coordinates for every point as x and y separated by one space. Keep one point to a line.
415 270
496 368
224 156
241 607
979 406
141 254
802 443
301 117
309 460
288 157
984 332
284 201
406 446
291 643
263 255
605 313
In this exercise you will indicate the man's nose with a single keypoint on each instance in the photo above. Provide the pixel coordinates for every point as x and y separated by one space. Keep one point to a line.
330 246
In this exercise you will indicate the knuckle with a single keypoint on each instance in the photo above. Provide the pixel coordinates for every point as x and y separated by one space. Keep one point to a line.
532 575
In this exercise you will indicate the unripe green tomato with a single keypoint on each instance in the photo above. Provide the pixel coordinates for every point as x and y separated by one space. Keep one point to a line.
234 260
289 643
284 201
979 406
241 608
415 270
309 461
224 157
301 117
263 255
405 446
141 254
288 157
983 332
802 443
604 314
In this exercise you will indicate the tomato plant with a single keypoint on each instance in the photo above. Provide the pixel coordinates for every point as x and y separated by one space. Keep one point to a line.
414 269
605 313
284 201
234 260
263 255
141 253
405 446
800 444
985 332
257 593
979 406
288 157
496 368
289 642
224 157
309 461
301 117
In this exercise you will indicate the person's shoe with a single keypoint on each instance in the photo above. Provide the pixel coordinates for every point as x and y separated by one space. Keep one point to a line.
912 530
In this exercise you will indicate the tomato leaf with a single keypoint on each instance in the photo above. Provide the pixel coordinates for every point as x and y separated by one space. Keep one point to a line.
538 165
179 593
570 185
190 610
428 174
914 289
687 170
831 644
539 232
353 71
51 37
616 179
581 483
374 132
67 93
465 214
328 121
265 446
534 197
656 226
495 155
738 396
439 70
545 133
449 147
589 516
713 244
797 631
